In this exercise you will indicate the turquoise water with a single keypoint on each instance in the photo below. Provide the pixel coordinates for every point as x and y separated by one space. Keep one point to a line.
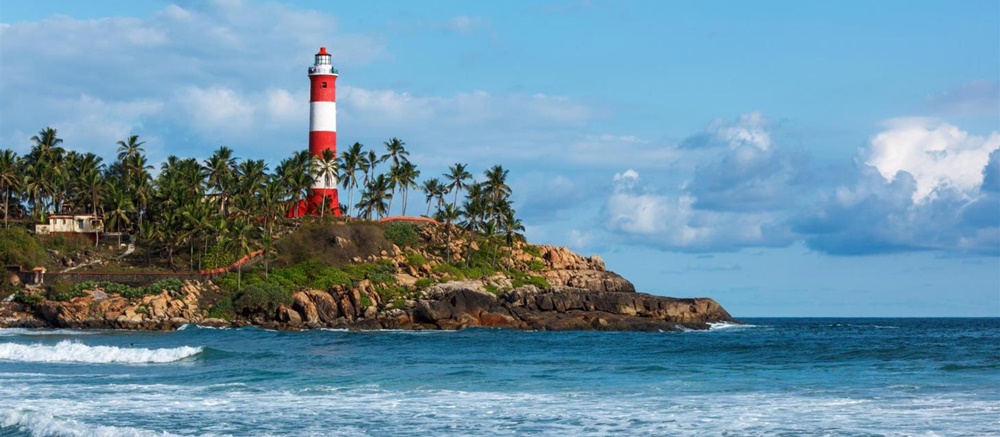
776 377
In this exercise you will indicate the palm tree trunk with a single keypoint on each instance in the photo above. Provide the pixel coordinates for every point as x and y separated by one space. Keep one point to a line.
6 212
405 194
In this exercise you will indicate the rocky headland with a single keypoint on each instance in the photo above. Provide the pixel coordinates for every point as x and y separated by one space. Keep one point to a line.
577 293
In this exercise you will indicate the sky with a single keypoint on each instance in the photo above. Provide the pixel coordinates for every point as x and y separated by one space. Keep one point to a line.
785 158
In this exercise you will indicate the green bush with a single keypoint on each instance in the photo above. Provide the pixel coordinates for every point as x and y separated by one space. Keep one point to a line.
415 259
423 283
532 250
227 283
402 234
122 290
172 285
28 299
217 257
62 290
261 299
537 281
448 271
536 265
19 248
381 272
330 277
223 309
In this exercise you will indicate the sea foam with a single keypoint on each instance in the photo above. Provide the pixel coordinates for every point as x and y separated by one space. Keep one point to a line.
43 424
74 352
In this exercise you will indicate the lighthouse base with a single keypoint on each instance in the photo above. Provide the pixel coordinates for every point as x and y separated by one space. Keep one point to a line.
315 204
324 198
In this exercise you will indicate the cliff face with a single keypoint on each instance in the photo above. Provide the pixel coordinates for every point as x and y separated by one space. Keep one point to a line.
583 296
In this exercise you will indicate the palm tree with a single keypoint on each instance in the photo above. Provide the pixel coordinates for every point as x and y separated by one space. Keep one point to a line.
432 188
46 160
36 183
195 216
324 168
449 214
369 161
407 179
373 199
457 175
496 182
219 168
130 148
474 209
395 178
350 163
45 146
10 179
295 179
243 240
512 228
251 177
396 151
119 205
93 185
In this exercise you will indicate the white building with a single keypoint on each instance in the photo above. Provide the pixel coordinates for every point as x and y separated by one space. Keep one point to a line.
72 224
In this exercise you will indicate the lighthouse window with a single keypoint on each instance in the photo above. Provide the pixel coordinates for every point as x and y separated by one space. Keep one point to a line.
324 85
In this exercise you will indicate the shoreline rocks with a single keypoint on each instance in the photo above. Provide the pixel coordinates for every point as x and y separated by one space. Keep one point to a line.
449 306
582 295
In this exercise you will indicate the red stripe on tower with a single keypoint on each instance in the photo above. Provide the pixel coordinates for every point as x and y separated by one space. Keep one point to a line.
323 129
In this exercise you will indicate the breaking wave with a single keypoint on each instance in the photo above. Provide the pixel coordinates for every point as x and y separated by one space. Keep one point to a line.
44 424
726 325
74 352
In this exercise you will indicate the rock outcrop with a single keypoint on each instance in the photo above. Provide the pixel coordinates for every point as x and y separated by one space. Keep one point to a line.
99 310
581 294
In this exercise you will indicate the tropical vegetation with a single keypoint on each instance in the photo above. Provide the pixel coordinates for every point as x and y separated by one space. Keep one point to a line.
190 214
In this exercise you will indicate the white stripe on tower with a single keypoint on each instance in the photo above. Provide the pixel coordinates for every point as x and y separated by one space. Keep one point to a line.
322 116
322 184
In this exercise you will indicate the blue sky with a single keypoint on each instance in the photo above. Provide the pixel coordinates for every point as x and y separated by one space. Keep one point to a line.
787 158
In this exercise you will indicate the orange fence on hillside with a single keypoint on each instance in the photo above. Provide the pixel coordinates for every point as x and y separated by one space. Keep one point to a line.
232 266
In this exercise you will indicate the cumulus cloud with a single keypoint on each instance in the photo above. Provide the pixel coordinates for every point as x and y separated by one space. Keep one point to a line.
752 129
206 72
923 185
919 184
641 215
938 155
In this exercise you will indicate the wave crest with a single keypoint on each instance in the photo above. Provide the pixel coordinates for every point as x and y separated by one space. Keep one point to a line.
44 424
74 352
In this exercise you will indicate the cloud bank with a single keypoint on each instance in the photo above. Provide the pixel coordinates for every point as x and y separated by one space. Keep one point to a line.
919 184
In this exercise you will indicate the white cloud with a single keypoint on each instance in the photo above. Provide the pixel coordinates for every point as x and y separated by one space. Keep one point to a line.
673 221
919 186
938 155
209 72
752 129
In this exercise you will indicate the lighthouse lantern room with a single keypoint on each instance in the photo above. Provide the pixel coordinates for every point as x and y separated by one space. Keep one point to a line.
323 130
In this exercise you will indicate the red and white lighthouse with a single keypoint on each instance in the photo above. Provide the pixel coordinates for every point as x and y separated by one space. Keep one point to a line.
323 128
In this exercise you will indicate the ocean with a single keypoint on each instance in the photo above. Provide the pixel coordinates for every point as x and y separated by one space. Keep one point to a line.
851 377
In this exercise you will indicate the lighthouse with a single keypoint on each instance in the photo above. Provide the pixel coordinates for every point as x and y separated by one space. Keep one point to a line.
323 129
